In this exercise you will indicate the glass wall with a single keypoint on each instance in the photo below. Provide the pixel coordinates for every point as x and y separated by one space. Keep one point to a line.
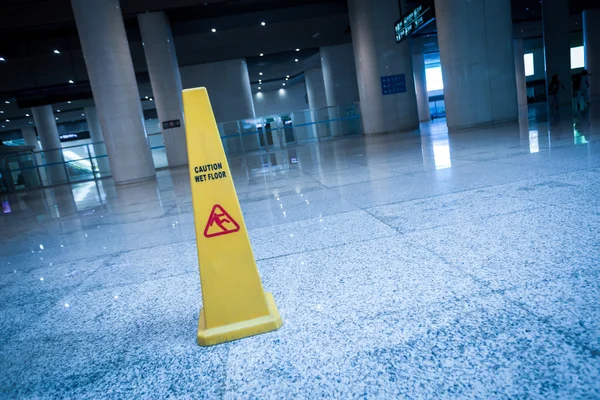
435 85
85 162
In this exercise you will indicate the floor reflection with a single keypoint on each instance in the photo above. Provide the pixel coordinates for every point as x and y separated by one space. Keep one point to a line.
359 239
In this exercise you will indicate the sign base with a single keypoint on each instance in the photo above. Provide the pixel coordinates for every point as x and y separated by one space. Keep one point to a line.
239 330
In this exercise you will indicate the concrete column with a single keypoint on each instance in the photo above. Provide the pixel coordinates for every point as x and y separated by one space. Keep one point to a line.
421 87
30 137
315 88
110 69
45 123
31 174
591 42
520 73
341 87
166 81
378 55
93 122
339 74
315 91
228 85
477 57
557 49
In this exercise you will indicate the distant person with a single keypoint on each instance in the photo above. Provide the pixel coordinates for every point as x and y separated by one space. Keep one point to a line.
553 92
584 89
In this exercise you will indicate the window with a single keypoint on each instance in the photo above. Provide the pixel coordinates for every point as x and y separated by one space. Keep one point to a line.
434 79
577 57
529 69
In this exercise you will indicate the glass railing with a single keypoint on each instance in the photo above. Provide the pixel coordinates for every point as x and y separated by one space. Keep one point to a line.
284 130
437 107
53 167
89 161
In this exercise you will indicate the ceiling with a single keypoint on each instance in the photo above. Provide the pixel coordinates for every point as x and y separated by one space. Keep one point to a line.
32 29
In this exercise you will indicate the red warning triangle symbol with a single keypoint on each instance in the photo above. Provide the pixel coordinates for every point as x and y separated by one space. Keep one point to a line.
220 223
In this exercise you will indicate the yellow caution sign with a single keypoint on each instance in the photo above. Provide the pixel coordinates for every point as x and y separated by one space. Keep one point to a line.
235 304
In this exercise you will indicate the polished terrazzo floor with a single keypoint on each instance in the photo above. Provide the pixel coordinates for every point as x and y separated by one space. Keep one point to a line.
428 265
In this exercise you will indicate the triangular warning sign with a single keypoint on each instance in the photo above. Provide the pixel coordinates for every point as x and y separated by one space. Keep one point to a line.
220 223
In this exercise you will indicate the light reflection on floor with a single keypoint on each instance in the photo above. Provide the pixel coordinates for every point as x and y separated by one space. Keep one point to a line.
409 265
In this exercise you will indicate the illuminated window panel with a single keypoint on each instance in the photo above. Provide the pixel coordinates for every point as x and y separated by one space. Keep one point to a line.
529 67
577 57
434 79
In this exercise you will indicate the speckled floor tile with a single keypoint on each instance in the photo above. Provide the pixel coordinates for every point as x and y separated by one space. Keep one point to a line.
46 283
388 191
567 299
577 191
471 273
354 175
481 348
277 210
520 238
136 266
316 233
451 209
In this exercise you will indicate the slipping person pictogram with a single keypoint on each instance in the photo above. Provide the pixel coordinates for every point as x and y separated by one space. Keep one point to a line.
220 223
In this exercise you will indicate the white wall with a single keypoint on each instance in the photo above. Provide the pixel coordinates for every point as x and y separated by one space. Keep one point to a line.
280 101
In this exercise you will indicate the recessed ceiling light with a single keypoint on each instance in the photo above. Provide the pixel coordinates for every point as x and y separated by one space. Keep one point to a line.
297 49
150 99
287 76
56 52
296 60
2 59
261 54
259 88
287 79
71 81
1 112
260 73
263 23
146 97
8 120
57 110
7 102
213 30
27 115
56 118
82 114
260 81
69 102
283 83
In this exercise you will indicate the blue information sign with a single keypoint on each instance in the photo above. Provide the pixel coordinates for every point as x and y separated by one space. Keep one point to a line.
393 84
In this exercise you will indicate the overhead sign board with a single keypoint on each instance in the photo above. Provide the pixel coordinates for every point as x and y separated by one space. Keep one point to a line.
72 136
417 19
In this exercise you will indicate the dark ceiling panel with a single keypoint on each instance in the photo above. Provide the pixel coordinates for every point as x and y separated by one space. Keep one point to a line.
31 29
